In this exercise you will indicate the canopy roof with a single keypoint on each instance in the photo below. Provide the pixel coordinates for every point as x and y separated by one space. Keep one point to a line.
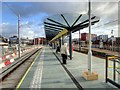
72 22
63 32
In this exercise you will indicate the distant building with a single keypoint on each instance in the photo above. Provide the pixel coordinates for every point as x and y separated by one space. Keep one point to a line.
3 45
75 40
116 44
94 39
85 36
0 37
26 41
118 41
104 38
13 40
40 40
3 39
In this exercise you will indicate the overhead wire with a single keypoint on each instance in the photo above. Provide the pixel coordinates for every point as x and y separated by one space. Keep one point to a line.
106 23
14 12
17 13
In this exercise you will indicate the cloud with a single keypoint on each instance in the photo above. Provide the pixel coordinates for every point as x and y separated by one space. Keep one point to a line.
100 9
32 31
8 29
26 32
107 11
26 24
50 8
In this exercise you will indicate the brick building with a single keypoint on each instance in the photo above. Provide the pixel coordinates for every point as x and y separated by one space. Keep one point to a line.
85 36
40 40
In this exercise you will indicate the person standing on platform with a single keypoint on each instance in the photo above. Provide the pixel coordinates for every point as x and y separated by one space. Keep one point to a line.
58 48
64 53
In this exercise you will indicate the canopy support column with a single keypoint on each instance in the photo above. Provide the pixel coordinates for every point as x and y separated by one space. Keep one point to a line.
70 45
62 40
79 42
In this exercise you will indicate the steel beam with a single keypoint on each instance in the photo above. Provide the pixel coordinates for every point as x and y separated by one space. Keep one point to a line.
51 30
83 26
65 20
54 25
70 45
76 20
55 22
84 22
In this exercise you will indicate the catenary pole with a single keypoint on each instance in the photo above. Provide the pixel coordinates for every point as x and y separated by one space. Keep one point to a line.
89 52
19 36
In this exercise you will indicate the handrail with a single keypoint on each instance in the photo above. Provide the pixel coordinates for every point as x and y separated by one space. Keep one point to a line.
115 60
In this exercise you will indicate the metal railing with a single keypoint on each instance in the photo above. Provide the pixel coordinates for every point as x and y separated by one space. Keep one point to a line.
113 72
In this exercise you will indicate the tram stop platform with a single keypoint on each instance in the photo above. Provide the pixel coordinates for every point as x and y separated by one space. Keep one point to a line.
47 71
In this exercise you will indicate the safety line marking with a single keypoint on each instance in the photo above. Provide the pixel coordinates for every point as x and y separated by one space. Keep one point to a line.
21 81
113 67
36 82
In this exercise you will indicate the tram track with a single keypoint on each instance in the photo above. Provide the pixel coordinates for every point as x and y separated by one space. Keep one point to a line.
11 75
97 52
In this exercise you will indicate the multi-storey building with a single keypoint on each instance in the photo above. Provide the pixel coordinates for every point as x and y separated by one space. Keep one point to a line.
104 38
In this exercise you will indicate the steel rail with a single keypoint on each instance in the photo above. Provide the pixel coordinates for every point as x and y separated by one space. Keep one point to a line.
17 63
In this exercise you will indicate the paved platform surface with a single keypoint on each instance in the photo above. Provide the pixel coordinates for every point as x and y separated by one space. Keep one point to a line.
78 65
47 72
